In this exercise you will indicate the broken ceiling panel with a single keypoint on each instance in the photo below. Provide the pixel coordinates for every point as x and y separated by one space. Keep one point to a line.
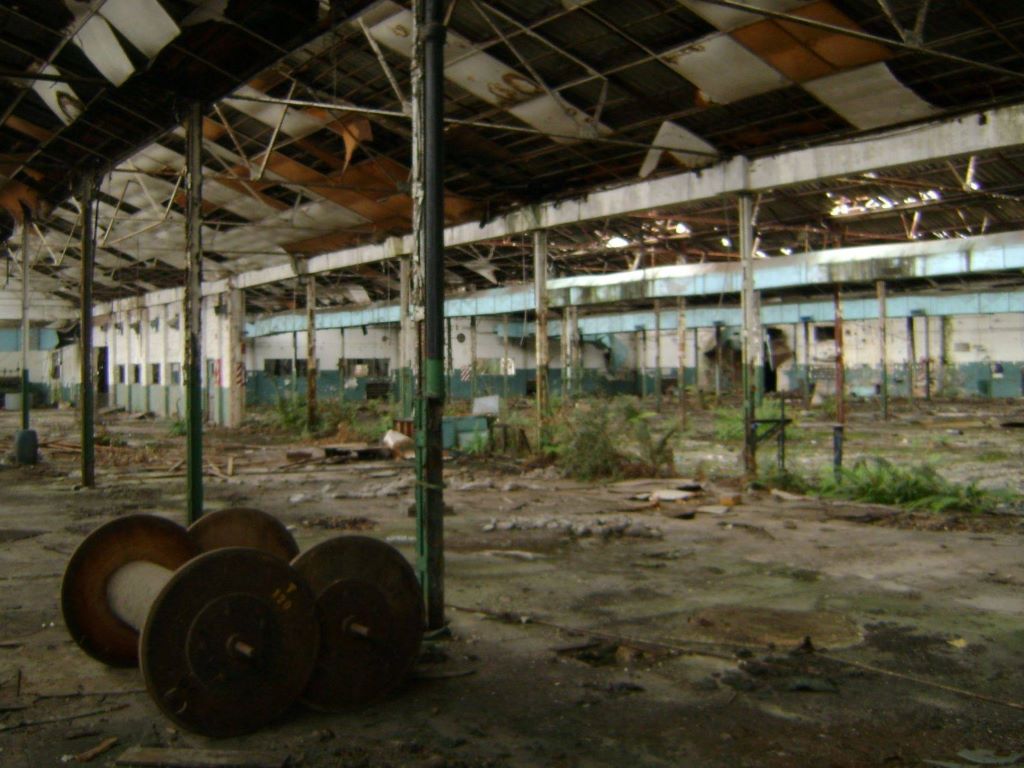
59 97
494 82
99 43
727 19
724 70
870 97
144 23
689 149
296 124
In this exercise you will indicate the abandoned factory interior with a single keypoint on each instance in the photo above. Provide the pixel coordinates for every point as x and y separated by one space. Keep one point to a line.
512 383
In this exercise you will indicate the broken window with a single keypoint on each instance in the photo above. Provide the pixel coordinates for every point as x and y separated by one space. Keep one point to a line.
136 373
154 373
120 374
372 368
175 373
277 367
824 333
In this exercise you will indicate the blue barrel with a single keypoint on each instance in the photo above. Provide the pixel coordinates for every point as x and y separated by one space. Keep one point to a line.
26 446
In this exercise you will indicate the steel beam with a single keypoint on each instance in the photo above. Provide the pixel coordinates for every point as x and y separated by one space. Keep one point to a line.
979 132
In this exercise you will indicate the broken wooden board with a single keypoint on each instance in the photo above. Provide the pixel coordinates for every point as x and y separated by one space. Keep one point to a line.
356 452
199 758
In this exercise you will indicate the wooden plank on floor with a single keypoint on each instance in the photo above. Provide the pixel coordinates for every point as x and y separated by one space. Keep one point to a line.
160 757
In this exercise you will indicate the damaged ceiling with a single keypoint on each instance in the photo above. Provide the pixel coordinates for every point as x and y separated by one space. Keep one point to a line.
546 99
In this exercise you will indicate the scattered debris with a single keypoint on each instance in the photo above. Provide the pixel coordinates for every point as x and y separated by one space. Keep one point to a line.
604 528
91 754
162 757
730 499
396 441
621 688
339 523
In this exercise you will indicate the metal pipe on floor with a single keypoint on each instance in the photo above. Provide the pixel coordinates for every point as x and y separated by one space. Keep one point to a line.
87 393
430 474
193 320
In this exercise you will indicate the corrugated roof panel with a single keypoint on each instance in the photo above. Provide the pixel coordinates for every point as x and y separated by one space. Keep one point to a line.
870 97
724 70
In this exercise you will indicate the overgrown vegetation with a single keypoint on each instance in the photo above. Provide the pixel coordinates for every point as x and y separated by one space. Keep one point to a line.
348 421
604 440
921 486
877 481
178 428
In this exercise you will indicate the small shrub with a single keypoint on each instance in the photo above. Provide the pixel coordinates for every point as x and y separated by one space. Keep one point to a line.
178 428
588 452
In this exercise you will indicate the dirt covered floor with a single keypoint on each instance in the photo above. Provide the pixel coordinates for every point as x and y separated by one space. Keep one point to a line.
683 621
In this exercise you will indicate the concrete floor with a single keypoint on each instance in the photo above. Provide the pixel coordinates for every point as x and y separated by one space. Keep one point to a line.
652 641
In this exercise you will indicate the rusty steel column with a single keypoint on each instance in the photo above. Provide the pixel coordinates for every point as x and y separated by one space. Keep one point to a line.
911 359
681 363
193 323
840 364
748 332
657 356
311 366
540 289
883 346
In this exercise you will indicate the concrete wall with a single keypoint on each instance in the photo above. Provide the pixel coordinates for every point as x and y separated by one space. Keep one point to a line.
979 355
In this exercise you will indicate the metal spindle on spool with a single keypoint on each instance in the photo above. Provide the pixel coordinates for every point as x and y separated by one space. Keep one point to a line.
228 638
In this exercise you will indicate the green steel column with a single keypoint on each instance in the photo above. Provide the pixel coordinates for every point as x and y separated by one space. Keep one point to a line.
429 462
193 314
25 322
87 394
883 346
